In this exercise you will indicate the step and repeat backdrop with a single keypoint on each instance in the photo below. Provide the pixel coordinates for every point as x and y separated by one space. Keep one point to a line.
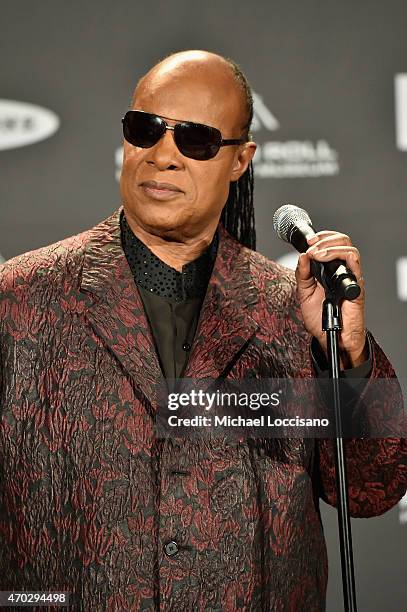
330 90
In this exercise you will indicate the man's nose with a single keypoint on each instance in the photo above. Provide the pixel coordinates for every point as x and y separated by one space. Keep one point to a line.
165 154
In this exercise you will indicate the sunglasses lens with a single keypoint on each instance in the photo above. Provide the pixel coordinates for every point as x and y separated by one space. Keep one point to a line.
197 141
142 129
194 140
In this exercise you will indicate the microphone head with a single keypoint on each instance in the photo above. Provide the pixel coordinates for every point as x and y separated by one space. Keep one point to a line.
286 219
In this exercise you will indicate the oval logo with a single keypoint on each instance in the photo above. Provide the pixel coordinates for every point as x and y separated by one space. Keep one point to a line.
23 124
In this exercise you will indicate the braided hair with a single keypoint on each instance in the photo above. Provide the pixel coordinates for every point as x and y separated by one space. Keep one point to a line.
238 213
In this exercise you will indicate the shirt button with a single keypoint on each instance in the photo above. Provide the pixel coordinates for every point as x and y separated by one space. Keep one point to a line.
186 346
171 548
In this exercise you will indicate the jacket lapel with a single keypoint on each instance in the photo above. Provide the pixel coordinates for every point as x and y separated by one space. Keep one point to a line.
116 312
225 324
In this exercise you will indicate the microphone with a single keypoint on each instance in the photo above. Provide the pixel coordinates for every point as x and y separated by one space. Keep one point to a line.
293 224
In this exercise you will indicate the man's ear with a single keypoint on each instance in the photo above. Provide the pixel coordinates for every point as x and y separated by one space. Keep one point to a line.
244 156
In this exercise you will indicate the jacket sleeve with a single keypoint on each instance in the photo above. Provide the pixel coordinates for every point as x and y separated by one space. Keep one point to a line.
376 468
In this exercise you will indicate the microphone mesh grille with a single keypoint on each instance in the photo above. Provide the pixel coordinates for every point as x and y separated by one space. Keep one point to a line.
286 218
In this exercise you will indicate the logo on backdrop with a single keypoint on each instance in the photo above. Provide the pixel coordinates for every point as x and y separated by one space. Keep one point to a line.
280 158
289 158
118 158
23 124
400 99
289 260
403 510
262 116
401 277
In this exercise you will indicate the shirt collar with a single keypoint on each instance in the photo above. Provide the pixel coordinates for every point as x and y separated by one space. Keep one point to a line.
151 273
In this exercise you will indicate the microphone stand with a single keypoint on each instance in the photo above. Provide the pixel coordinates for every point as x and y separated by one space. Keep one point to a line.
332 325
293 225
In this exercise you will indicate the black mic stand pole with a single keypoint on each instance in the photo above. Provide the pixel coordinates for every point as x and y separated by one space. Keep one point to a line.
332 324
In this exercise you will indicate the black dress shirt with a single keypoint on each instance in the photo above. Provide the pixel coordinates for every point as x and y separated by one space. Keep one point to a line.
172 299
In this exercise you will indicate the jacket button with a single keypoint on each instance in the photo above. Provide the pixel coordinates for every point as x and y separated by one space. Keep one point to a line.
171 548
186 346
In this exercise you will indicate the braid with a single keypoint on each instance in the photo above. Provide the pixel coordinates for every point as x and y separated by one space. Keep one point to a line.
238 213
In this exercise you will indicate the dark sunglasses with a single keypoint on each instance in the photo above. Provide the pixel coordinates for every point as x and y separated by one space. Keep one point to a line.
194 140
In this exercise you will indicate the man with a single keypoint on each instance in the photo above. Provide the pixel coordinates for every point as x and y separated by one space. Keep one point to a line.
91 502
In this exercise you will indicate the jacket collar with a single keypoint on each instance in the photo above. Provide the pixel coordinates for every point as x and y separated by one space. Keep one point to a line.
116 311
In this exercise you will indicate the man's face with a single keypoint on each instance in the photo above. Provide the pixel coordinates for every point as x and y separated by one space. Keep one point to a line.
164 192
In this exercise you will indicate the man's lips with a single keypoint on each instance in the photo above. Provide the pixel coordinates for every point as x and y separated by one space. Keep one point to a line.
156 186
160 191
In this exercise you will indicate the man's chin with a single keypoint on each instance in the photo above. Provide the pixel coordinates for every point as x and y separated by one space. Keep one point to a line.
171 234
168 224
175 230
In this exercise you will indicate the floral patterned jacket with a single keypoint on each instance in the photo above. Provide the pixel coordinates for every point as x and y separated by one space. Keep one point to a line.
90 499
